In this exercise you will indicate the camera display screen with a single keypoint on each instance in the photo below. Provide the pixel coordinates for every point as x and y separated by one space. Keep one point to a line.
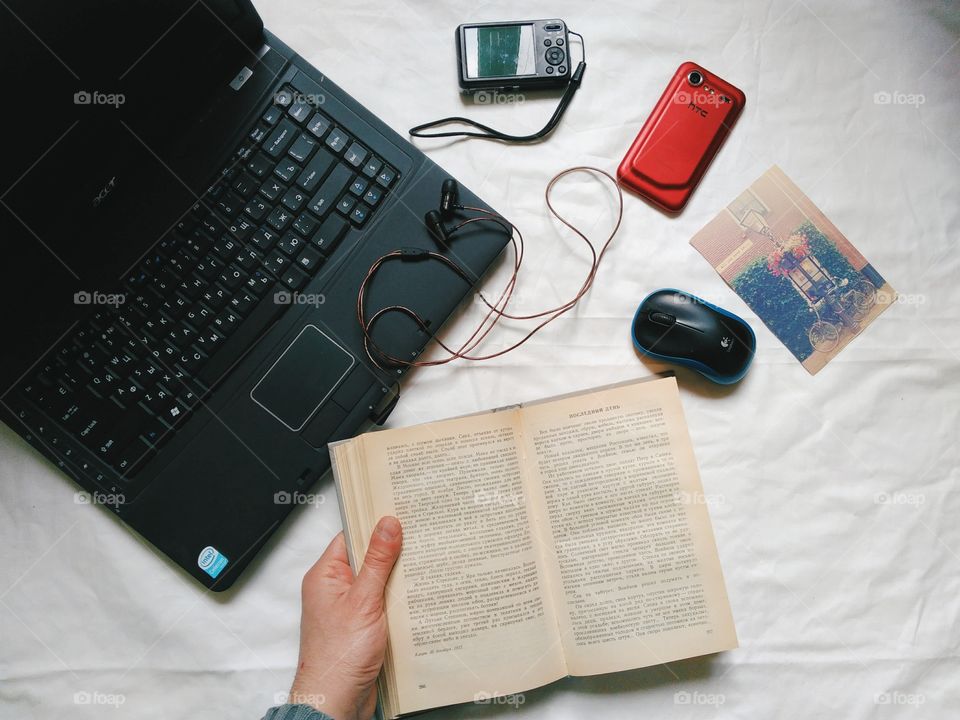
499 51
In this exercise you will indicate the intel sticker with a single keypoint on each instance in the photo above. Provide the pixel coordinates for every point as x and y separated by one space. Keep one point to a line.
212 561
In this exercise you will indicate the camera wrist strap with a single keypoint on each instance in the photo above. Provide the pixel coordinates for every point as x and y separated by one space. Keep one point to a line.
489 133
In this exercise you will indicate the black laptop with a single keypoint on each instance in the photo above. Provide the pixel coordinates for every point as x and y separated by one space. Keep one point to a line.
187 209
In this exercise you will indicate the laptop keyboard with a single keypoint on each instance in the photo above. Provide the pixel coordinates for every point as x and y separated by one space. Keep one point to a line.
127 379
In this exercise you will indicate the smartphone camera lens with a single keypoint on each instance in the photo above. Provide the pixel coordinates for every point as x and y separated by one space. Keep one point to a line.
695 78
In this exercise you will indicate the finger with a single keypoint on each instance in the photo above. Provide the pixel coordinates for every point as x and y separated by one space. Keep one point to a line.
382 554
333 563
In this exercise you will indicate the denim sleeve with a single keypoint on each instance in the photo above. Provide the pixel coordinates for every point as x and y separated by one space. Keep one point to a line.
295 712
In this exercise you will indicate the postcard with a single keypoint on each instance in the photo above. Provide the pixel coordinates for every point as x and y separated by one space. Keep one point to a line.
793 267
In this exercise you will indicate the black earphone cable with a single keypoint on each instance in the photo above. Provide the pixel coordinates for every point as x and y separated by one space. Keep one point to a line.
488 133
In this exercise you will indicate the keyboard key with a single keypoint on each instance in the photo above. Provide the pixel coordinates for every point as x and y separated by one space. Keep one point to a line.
358 186
245 185
154 431
209 340
286 170
130 460
294 199
257 208
271 189
359 214
356 154
330 190
373 195
233 278
264 239
272 114
331 232
318 125
214 297
276 263
346 204
258 134
277 142
337 140
225 246
310 259
294 278
372 168
302 148
243 302
247 259
315 170
283 98
291 244
229 204
259 165
259 281
208 268
299 110
241 228
279 219
305 224
386 175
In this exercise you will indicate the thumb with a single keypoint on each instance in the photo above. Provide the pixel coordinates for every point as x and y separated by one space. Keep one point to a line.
382 554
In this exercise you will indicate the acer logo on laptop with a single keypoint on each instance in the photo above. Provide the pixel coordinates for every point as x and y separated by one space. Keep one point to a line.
105 191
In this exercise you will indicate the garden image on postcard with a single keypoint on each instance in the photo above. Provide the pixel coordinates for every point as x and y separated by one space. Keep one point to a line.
794 268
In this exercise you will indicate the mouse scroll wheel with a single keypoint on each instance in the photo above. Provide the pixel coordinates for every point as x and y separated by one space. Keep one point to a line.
662 318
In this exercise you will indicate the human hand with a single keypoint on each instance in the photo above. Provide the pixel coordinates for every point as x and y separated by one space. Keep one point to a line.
343 629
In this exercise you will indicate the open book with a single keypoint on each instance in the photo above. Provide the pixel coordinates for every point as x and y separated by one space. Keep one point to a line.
563 537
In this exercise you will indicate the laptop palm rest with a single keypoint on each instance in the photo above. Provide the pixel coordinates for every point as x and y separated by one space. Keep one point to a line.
302 378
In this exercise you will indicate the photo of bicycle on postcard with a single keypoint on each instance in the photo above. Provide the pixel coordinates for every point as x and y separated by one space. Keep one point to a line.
794 268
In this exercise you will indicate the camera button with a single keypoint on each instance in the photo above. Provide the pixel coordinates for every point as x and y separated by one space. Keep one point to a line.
555 56
562 69
560 41
548 42
549 69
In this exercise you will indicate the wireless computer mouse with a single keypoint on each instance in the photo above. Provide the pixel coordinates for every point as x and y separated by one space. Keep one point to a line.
681 328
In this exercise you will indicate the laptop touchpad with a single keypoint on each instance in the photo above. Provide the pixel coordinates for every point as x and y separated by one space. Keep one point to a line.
302 378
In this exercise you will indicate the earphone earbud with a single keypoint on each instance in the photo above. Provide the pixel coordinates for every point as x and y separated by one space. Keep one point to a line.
434 224
449 198
449 202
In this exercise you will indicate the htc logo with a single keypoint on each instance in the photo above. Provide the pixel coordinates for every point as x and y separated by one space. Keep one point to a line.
697 109
107 189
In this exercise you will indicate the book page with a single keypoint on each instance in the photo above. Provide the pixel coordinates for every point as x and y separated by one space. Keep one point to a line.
635 567
468 612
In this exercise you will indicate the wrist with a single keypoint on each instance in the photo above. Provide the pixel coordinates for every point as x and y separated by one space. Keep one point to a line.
334 703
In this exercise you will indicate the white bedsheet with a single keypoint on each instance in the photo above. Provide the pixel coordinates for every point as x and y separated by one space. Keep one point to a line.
834 498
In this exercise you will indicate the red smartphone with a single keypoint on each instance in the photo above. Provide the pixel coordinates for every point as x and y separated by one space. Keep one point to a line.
680 138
